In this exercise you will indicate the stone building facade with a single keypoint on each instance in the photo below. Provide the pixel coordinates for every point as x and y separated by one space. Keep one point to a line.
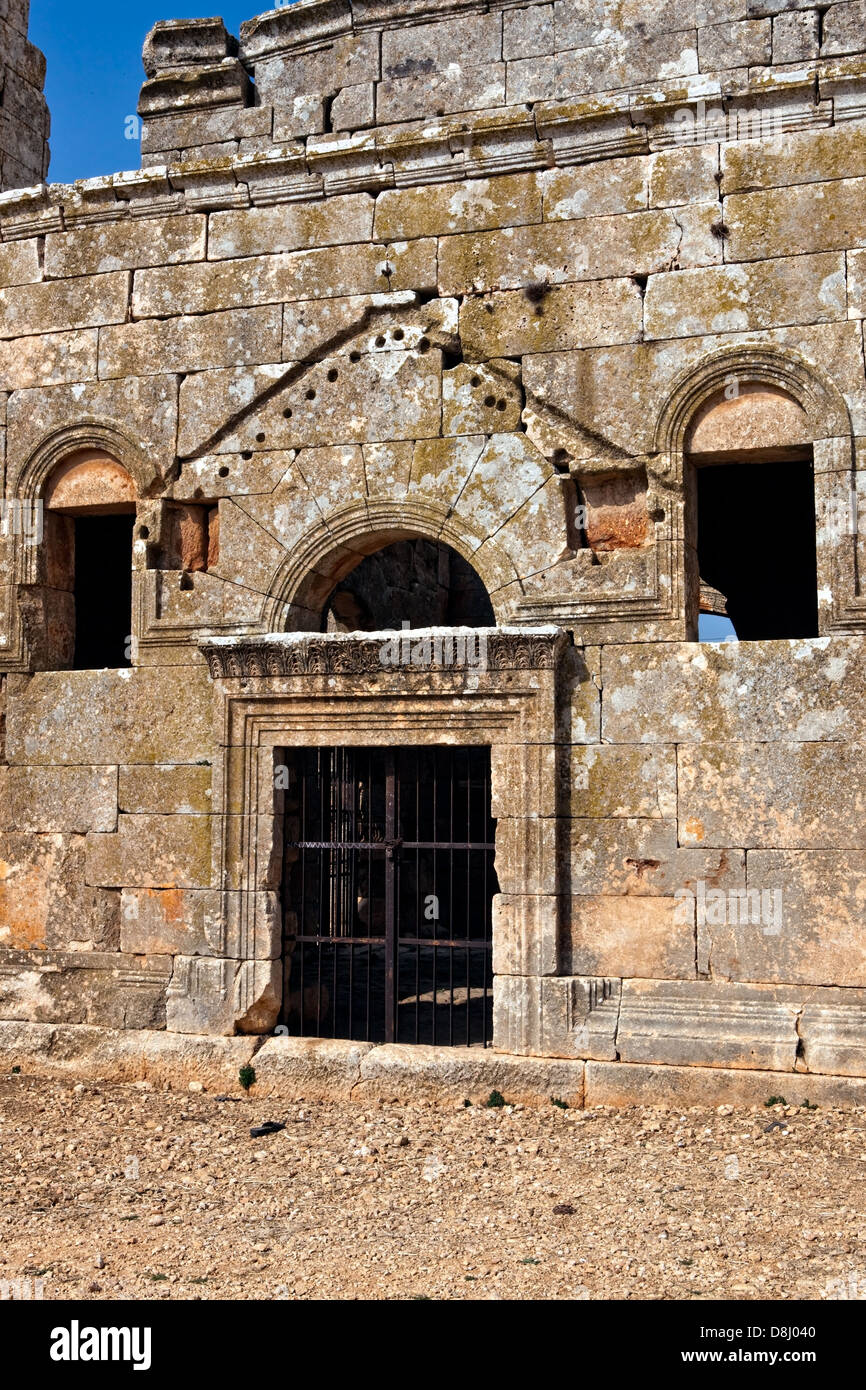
529 332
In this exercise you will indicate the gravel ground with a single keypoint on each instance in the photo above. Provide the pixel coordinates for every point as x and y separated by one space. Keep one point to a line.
128 1192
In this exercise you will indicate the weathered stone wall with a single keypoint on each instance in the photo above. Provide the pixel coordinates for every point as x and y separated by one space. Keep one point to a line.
469 274
24 121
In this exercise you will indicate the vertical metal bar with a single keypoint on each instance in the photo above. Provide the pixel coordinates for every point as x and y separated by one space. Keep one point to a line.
390 914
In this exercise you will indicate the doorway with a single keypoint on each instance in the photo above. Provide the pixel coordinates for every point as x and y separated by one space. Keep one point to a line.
388 893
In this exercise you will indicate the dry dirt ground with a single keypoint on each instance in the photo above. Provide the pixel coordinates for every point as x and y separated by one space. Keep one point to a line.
127 1192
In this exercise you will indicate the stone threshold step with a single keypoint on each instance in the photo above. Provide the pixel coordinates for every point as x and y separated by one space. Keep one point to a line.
320 1069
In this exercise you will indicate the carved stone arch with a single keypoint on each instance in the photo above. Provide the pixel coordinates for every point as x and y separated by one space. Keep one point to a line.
312 568
842 604
785 371
87 433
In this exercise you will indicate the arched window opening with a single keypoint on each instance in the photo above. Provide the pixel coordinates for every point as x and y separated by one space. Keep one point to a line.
87 566
415 583
751 501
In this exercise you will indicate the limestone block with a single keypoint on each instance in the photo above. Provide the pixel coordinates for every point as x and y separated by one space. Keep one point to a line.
441 467
603 67
813 156
527 855
286 278
796 36
524 778
484 399
164 789
63 304
526 934
809 912
804 689
719 299
181 42
567 316
170 921
528 33
629 936
309 1068
579 23
456 87
145 405
258 992
58 799
772 795
472 205
509 470
745 44
833 1029
556 1017
387 394
856 284
560 252
685 175
619 781
388 467
641 858
151 716
366 323
152 852
93 987
44 900
843 28
19 262
125 245
247 555
346 60
700 1023
624 1083
291 227
236 338
196 129
200 995
48 359
439 1075
419 49
353 108
790 221
611 186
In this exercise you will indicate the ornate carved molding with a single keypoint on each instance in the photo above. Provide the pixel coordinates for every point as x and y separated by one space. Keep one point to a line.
362 655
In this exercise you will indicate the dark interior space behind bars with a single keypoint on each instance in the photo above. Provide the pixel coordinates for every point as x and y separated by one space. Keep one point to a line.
387 895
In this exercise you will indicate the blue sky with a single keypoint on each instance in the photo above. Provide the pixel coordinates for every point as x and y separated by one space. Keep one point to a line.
93 49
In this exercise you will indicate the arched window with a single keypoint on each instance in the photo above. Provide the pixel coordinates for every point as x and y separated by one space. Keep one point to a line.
750 492
412 583
86 569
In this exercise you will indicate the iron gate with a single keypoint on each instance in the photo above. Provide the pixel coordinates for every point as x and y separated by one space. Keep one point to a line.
388 891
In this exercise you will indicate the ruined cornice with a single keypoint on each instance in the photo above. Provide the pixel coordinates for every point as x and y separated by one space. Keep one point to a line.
476 145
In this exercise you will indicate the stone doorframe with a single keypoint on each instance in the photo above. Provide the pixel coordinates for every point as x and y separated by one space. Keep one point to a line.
298 690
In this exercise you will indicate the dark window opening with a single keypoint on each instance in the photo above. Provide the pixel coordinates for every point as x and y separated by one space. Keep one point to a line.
103 591
418 582
388 895
757 545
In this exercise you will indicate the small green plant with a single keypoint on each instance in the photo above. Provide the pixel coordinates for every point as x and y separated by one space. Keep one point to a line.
807 1105
775 1100
495 1100
16 1071
158 1278
560 1104
201 1280
530 1260
247 1076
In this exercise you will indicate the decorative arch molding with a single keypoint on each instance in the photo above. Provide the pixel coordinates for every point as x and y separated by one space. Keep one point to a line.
841 596
87 433
822 402
312 568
